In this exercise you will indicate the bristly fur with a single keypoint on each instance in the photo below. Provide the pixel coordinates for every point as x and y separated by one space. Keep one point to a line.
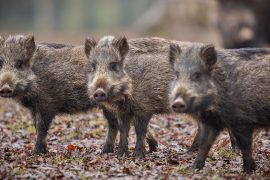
48 79
142 86
238 84
106 41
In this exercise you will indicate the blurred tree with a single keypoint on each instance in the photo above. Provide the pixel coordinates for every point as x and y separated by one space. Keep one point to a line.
16 15
69 15
43 15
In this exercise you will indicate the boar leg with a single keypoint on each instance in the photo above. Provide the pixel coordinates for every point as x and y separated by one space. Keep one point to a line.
124 126
195 145
244 141
42 123
152 142
208 137
233 141
112 132
140 124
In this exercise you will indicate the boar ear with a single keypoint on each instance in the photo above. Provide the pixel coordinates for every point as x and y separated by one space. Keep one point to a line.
122 45
30 44
209 55
89 45
174 52
2 41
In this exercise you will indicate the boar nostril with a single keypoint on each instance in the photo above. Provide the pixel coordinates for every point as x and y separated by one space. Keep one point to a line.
179 105
100 95
6 91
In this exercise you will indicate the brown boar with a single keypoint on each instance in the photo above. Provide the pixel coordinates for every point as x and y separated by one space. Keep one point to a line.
130 80
244 23
47 79
237 24
261 9
129 85
223 89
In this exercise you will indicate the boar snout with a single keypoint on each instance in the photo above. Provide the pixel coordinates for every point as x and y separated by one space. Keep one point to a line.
100 95
7 81
179 105
6 91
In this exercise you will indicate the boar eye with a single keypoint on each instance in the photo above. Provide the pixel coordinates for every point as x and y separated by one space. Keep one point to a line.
1 63
93 66
196 76
19 64
114 66
177 74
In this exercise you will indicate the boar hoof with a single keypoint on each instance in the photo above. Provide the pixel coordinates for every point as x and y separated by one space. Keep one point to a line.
122 151
40 150
198 164
107 149
153 144
249 167
193 149
139 154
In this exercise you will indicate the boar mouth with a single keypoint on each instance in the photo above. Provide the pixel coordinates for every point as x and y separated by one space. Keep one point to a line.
118 90
101 100
6 91
199 104
7 95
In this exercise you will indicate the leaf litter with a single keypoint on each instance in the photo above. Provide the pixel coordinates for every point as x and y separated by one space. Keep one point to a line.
75 143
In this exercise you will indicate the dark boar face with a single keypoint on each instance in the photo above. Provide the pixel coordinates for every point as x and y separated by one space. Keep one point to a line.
237 25
107 79
16 53
192 89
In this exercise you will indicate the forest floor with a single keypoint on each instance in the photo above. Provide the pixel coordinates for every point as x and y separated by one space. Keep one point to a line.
75 144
